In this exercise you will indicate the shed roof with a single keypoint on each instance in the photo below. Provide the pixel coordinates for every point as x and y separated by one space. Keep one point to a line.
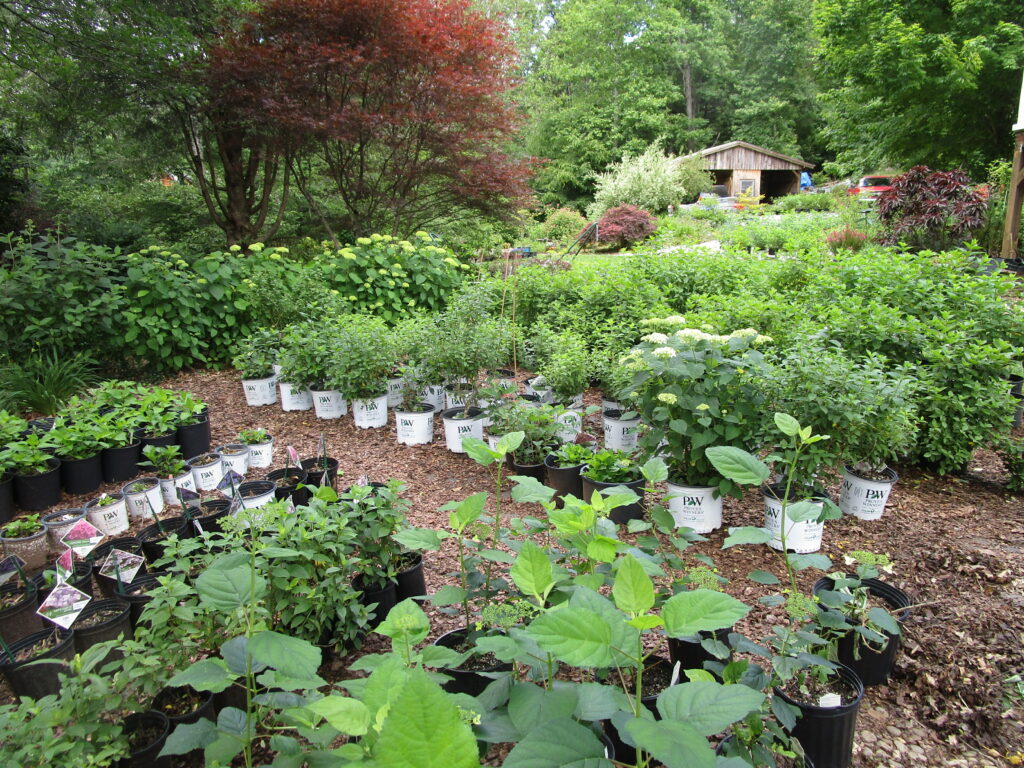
740 154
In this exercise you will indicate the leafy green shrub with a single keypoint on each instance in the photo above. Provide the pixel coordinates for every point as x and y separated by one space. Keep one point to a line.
362 356
43 383
562 225
255 356
566 367
652 181
804 203
801 233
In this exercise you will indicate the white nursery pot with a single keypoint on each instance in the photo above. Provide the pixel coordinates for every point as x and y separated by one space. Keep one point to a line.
261 455
394 392
139 503
328 404
620 434
453 399
863 498
260 391
207 477
370 412
455 429
802 537
111 519
572 423
695 507
295 398
415 427
169 487
236 462
255 502
433 394
612 405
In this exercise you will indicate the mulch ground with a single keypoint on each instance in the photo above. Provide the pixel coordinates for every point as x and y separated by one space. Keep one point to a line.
957 544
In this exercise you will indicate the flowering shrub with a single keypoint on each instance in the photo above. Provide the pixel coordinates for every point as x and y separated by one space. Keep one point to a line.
694 390
651 180
845 239
625 224
929 209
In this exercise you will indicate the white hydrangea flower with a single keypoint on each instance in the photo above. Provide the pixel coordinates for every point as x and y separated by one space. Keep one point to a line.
759 339
691 334
657 338
664 352
744 333
703 407
668 398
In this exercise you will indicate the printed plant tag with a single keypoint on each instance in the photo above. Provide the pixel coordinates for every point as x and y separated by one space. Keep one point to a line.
9 568
188 498
293 455
230 482
124 563
63 605
65 566
830 700
235 506
83 538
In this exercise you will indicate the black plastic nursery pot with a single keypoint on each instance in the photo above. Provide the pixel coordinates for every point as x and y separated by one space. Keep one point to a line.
146 732
826 733
137 594
37 680
410 580
382 598
6 497
468 681
565 480
119 465
18 619
108 585
160 441
35 492
690 653
623 751
194 439
288 481
81 579
79 476
536 471
621 515
154 537
102 620
315 471
210 514
183 705
870 664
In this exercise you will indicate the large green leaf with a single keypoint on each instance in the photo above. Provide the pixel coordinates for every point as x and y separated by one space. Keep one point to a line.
709 707
530 705
633 590
624 636
509 442
787 424
205 675
530 490
350 716
701 610
406 620
424 729
655 470
420 539
189 736
291 656
676 745
449 594
746 534
560 743
574 635
532 571
466 511
231 588
737 465
479 451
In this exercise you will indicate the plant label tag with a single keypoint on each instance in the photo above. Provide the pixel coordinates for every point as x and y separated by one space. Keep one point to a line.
83 538
293 455
9 568
123 564
199 528
830 700
236 505
229 483
65 566
63 605
188 497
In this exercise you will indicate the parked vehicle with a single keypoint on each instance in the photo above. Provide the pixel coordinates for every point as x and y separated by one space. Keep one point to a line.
871 186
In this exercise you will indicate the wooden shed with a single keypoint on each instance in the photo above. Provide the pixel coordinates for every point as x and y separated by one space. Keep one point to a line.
743 167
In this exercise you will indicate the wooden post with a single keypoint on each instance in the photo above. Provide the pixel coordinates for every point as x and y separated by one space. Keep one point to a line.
1015 194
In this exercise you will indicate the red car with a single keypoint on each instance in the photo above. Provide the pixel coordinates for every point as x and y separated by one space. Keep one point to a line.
871 186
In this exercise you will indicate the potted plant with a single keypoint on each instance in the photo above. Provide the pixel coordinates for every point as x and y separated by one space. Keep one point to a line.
235 457
109 513
294 377
609 469
563 467
255 362
37 680
307 360
122 448
414 417
192 422
175 475
362 360
566 371
540 430
376 514
36 472
59 522
144 497
78 446
158 418
207 470
26 538
694 389
261 446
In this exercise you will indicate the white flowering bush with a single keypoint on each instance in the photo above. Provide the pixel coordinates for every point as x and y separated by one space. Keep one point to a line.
696 389
652 181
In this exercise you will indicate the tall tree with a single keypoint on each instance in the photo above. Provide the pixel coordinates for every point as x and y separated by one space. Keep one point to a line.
401 101
910 82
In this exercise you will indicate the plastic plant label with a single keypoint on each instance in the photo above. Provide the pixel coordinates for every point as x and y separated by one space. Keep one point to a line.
199 528
229 483
9 568
830 700
188 497
121 564
63 605
236 505
65 566
83 538
293 455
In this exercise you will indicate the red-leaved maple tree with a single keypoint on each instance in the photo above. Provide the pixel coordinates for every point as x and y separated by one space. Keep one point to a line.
401 104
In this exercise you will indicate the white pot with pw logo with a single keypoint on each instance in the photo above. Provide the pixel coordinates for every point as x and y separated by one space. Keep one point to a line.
294 398
415 427
620 434
865 498
695 507
369 412
328 403
434 395
802 536
260 391
460 423
394 392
